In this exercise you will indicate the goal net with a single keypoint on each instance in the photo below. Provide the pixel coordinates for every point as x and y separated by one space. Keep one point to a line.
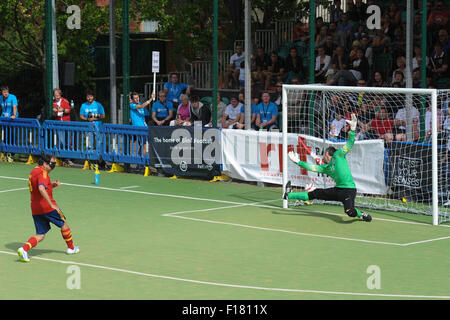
400 160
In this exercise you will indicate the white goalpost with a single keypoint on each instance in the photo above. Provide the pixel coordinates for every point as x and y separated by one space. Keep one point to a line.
400 160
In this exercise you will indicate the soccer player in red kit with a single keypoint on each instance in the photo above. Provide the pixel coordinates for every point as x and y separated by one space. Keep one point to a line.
44 208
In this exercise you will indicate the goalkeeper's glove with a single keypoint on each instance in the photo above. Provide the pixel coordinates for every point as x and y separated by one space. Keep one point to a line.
293 156
353 123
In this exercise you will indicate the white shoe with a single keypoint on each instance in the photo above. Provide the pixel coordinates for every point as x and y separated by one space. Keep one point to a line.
73 251
23 255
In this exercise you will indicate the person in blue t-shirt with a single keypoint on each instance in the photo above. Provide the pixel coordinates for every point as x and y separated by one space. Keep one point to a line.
162 110
173 89
138 111
266 114
92 110
254 107
8 104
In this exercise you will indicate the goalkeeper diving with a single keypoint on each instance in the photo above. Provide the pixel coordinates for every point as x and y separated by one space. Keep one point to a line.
335 166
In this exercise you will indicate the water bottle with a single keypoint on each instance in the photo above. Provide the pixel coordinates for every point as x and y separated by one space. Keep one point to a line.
97 176
261 128
72 105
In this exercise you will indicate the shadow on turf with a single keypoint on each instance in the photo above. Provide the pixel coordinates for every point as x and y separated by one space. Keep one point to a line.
332 217
13 246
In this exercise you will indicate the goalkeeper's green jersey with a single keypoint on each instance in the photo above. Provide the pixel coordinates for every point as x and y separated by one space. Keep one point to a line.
337 168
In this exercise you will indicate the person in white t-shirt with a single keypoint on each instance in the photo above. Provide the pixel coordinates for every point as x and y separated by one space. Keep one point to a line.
400 124
231 116
234 67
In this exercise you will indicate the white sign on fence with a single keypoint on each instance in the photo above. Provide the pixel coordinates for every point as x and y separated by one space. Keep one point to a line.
155 61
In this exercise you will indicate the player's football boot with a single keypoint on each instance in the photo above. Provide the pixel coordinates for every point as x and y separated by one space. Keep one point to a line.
23 255
73 251
366 217
287 190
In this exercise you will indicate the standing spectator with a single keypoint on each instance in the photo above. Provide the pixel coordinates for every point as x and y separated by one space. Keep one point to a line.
61 106
200 112
293 65
266 113
351 11
336 11
438 63
380 42
231 116
338 35
368 51
394 14
276 70
92 110
138 111
173 89
242 75
345 27
61 112
162 110
360 11
444 41
8 103
183 112
300 32
322 64
234 66
382 126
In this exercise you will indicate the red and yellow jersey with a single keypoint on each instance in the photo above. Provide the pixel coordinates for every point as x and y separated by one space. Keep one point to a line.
38 176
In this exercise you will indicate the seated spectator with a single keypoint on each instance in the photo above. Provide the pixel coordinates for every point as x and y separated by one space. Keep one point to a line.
322 64
276 70
365 118
360 11
162 110
439 17
221 106
337 126
234 67
378 80
383 126
394 14
242 75
340 61
293 65
231 116
345 26
200 112
260 63
138 111
61 107
8 104
277 96
400 123
339 37
428 120
300 32
416 61
322 35
266 114
183 112
399 78
328 45
417 81
439 63
254 103
401 67
358 71
92 110
351 11
173 89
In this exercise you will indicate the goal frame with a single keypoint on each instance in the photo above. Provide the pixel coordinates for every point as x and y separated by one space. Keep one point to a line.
434 125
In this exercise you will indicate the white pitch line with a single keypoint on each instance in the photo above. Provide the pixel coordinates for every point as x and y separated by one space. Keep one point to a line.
236 285
130 187
424 241
3 191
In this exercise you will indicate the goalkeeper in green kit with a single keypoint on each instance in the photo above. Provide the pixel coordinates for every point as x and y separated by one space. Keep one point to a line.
335 166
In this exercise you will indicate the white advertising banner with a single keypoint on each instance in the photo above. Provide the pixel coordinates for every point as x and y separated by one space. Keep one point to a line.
258 156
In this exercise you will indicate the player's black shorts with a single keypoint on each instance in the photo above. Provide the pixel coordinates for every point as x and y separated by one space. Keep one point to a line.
344 195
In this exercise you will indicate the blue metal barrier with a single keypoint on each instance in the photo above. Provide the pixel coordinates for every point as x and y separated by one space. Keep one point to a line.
20 136
125 143
71 139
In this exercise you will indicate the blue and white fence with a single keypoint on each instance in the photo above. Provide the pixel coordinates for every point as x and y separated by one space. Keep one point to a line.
75 140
